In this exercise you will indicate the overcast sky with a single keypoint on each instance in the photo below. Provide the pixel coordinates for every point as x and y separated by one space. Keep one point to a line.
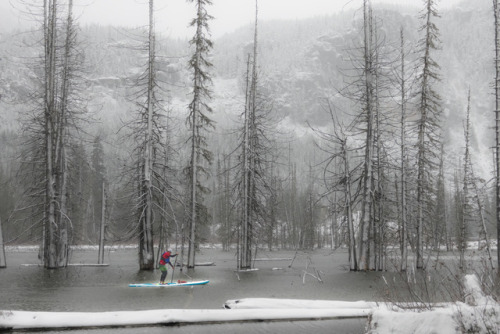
173 16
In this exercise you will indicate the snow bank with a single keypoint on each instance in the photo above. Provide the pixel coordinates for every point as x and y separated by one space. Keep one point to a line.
479 314
438 321
74 320
271 303
478 319
36 248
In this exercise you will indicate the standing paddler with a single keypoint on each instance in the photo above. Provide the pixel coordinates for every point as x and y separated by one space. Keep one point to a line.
164 260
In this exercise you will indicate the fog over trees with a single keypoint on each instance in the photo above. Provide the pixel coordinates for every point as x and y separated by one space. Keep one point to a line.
368 130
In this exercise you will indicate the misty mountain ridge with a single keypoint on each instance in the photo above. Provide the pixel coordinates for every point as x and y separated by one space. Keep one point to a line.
301 63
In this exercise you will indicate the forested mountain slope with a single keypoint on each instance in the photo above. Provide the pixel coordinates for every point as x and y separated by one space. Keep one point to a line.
302 61
303 64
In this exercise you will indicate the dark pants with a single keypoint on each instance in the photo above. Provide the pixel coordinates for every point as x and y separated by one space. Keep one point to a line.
163 269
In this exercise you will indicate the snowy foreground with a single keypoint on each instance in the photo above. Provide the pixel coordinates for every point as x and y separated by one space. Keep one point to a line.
480 314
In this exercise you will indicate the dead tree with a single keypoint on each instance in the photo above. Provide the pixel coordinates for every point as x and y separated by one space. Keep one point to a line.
253 180
428 124
199 123
338 178
60 117
467 204
496 14
404 159
364 251
3 262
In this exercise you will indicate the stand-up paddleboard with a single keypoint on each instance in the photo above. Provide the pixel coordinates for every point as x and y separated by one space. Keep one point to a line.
167 285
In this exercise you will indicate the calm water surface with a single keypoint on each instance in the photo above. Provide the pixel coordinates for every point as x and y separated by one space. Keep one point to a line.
92 289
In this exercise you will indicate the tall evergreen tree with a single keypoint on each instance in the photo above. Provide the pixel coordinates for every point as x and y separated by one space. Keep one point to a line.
403 211
151 145
428 123
199 123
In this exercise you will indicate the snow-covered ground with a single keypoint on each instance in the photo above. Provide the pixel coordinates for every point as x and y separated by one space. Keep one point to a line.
481 314
52 320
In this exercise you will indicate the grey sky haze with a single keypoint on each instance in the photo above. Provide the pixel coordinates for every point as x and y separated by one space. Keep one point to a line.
173 16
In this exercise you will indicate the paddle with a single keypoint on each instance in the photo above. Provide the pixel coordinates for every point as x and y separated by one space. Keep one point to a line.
173 270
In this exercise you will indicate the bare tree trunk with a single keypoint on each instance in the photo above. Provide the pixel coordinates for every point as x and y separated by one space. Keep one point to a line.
403 208
100 259
482 219
59 114
61 158
249 158
194 180
194 162
440 225
50 133
227 202
379 218
3 262
497 121
353 260
466 205
145 210
51 229
252 131
245 261
367 192
252 148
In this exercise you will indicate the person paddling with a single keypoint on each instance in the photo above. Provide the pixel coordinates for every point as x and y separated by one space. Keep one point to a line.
164 259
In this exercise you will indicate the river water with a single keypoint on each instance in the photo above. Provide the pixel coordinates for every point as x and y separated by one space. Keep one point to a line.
94 289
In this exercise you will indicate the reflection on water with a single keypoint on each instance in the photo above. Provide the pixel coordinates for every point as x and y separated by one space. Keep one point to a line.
93 289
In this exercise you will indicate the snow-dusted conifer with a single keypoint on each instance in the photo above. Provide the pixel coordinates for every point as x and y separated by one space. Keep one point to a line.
199 123
149 132
428 123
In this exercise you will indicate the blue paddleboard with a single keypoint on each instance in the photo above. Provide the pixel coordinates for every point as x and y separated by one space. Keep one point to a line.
167 285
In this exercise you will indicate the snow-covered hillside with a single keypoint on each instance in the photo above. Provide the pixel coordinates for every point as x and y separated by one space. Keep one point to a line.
302 63
305 62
